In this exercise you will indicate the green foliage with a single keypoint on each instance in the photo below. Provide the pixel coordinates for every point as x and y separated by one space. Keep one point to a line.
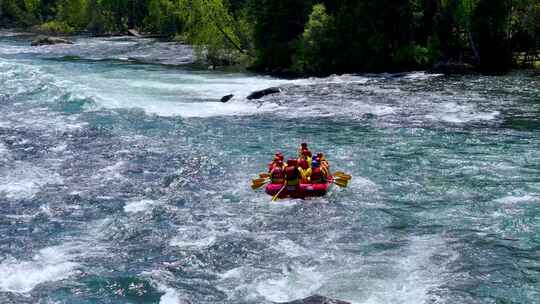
163 17
310 36
20 13
314 52
74 13
213 30
412 56
56 27
276 27
491 26
100 21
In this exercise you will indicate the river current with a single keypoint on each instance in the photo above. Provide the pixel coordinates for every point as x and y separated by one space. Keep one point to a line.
123 179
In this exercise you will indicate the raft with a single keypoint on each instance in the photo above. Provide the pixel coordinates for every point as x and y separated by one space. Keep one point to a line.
302 191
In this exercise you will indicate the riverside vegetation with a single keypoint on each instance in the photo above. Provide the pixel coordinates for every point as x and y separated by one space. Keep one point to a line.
312 37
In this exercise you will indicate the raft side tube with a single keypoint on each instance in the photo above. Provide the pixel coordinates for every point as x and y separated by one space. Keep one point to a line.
300 191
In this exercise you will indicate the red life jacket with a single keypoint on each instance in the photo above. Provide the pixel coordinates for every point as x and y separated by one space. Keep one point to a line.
271 166
291 175
277 175
317 176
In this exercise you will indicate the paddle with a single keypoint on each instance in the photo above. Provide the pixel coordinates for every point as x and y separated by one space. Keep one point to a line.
341 183
343 175
275 198
256 186
264 175
259 180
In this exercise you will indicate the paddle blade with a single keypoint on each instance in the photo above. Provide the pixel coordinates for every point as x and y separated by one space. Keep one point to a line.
343 175
341 183
256 186
259 180
264 175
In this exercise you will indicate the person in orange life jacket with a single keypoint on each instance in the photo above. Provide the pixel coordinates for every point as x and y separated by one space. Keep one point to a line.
304 170
277 175
292 176
317 176
325 166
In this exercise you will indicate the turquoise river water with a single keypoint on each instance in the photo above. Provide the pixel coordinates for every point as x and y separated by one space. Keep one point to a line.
123 179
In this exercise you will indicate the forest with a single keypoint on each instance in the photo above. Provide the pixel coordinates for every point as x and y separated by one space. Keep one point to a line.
308 36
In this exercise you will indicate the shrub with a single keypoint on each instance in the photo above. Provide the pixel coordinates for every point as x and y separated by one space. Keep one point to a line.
56 27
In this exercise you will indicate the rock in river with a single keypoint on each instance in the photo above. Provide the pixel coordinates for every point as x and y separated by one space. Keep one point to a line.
227 97
316 300
262 93
45 40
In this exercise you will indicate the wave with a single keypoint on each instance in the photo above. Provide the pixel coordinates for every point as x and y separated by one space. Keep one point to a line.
48 265
22 180
82 87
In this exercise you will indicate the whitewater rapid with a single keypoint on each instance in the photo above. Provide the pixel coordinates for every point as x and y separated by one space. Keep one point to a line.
124 179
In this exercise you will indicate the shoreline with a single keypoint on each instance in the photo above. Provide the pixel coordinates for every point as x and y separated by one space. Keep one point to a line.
449 68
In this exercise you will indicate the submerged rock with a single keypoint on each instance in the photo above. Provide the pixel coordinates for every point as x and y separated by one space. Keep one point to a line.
316 299
46 40
262 93
450 68
227 98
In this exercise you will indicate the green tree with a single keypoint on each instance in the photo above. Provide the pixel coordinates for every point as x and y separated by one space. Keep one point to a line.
276 26
315 52
491 25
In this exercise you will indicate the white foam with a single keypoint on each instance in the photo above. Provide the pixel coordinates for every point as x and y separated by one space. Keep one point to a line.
171 296
59 148
24 181
415 276
421 76
140 206
193 237
517 199
233 273
3 150
290 248
159 279
111 172
453 112
49 265
294 284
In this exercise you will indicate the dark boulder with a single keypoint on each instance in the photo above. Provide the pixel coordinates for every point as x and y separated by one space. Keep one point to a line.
46 40
227 98
316 300
262 93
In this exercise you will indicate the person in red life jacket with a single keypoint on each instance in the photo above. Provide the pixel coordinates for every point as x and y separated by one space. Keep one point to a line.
277 175
317 176
301 150
304 170
292 176
277 157
280 156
